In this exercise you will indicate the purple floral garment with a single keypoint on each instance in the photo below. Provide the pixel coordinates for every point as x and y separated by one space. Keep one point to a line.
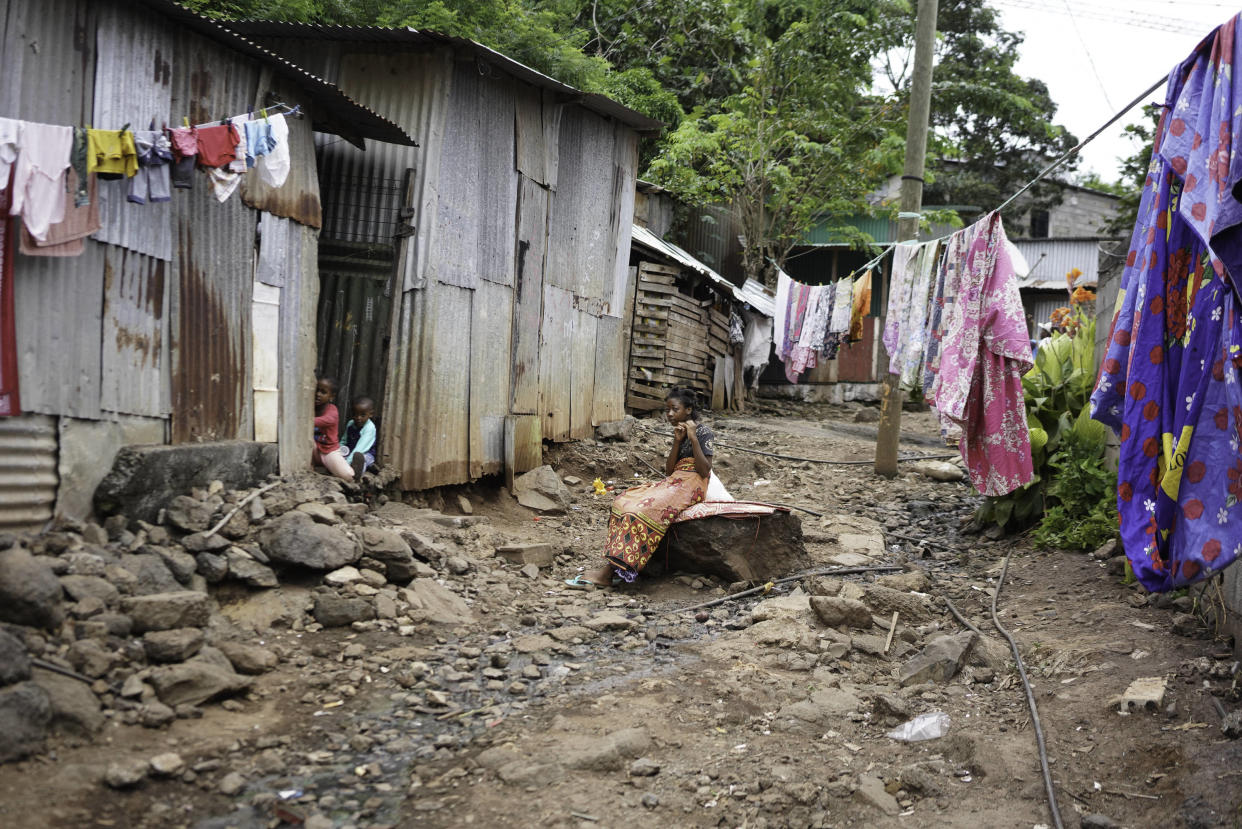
1169 381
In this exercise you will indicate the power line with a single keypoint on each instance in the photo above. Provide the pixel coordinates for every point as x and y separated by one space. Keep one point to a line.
1087 51
1141 20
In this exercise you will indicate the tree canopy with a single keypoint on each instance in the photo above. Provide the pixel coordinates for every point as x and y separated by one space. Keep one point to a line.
776 107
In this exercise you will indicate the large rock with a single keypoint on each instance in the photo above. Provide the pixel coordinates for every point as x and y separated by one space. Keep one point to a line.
824 707
75 709
243 567
248 659
617 429
737 549
91 657
81 587
30 593
172 645
166 611
333 611
541 490
14 660
151 573
885 601
429 602
835 611
390 548
609 753
188 514
295 539
25 713
195 682
940 661
180 563
144 478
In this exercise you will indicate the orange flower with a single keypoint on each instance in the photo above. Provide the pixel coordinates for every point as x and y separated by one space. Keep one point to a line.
1071 277
1081 295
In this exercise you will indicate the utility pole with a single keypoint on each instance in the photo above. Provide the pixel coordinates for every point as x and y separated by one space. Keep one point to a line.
911 204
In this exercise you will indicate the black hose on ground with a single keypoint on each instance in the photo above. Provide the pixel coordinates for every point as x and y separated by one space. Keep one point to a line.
1030 701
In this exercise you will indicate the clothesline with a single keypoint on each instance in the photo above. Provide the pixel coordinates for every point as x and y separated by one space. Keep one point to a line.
294 111
1117 116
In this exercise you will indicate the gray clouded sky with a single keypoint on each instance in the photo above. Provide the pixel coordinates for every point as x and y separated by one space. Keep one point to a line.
1095 66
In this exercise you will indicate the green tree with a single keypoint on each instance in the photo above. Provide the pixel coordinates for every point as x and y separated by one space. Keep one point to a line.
802 137
992 130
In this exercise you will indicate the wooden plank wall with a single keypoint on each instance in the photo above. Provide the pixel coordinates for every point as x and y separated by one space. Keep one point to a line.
676 341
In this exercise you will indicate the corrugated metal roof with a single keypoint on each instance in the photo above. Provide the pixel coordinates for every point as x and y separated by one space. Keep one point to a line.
759 297
375 34
345 116
647 239
1051 259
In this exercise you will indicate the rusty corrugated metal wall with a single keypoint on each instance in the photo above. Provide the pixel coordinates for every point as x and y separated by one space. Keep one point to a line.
468 348
153 320
28 477
213 264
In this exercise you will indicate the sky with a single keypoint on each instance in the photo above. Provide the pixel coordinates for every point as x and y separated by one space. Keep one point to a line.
1094 66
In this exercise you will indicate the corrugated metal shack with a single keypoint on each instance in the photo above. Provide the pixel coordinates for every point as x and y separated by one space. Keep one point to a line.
681 328
180 322
508 230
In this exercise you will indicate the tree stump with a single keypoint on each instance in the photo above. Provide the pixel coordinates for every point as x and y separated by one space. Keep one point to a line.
753 548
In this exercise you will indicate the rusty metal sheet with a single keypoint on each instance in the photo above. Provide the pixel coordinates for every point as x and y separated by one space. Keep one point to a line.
299 298
133 85
625 179
582 239
134 352
28 477
611 358
532 233
523 446
213 263
477 189
418 103
441 423
556 338
48 55
490 329
58 306
298 197
582 376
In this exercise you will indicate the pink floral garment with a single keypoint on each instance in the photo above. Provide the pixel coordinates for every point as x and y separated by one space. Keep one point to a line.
984 352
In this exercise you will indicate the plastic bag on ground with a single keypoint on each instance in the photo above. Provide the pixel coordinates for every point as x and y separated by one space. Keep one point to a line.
927 726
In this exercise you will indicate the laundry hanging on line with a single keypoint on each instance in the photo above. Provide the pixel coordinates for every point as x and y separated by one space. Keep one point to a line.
49 200
1170 384
812 322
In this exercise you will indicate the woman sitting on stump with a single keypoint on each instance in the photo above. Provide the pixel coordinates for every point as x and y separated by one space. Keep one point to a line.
641 516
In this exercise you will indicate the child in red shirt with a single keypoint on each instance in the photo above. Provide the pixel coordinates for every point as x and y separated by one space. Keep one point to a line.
327 432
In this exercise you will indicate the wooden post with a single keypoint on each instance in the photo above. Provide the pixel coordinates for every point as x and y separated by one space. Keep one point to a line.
889 432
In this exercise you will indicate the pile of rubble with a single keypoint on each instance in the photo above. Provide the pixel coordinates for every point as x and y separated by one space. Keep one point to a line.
123 621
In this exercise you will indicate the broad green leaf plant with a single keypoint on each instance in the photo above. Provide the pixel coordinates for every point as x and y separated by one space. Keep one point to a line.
1072 494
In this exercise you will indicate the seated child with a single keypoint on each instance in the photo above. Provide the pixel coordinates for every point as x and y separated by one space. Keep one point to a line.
358 447
327 423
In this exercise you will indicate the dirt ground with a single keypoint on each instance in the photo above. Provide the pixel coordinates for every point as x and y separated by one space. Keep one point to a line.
741 716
